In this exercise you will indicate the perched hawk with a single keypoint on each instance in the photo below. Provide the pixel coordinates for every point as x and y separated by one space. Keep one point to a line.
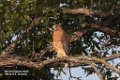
60 41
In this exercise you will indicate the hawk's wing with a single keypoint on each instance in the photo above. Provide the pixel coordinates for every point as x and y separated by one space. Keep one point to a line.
66 41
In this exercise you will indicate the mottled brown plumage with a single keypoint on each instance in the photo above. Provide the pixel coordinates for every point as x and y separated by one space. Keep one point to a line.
60 41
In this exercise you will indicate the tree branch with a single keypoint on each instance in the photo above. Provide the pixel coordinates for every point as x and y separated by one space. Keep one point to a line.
73 62
113 56
85 11
106 30
97 71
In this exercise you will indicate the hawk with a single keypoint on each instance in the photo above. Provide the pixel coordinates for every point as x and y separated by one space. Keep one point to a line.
60 41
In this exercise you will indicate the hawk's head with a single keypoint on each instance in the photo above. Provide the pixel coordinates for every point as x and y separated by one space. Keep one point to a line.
57 27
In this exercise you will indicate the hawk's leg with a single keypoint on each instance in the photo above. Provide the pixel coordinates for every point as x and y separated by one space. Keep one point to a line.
61 53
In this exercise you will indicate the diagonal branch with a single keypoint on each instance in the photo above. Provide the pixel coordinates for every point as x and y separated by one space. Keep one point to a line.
109 66
113 56
97 71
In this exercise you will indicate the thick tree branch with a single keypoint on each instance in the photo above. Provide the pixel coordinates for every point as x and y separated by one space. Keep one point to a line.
85 11
73 61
